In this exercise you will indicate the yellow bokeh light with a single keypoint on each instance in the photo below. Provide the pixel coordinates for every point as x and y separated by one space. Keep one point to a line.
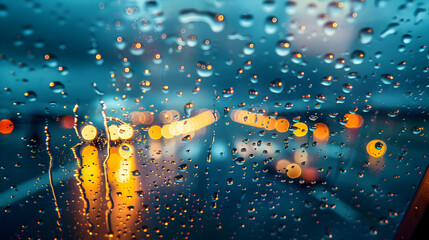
165 132
376 148
176 128
89 132
155 132
188 126
293 170
125 131
113 130
301 129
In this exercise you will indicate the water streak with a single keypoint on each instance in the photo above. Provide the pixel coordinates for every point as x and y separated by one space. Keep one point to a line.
51 182
79 172
106 177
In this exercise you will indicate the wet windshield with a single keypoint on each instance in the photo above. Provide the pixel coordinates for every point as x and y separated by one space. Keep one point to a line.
212 119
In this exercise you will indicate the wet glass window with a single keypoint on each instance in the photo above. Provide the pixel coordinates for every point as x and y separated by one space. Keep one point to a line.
211 119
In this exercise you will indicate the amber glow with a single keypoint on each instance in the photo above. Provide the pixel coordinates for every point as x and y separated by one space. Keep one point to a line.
125 189
91 184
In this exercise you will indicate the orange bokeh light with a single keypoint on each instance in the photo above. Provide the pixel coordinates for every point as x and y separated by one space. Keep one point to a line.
6 126
354 120
321 134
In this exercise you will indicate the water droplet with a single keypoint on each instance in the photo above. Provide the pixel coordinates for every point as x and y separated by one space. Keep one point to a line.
215 21
389 30
271 25
30 96
282 48
290 7
406 38
387 79
204 69
56 87
366 35
178 178
246 20
276 86
330 28
357 57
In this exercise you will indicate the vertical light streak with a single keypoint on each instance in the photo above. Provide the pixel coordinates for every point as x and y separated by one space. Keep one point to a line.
79 172
106 178
51 182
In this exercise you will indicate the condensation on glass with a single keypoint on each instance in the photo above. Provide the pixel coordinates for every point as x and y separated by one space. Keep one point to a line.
211 119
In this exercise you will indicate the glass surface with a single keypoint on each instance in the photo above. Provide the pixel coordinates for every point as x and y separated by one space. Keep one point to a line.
211 119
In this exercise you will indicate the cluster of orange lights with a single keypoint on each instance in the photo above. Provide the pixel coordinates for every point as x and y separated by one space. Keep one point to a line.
184 127
280 124
260 121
